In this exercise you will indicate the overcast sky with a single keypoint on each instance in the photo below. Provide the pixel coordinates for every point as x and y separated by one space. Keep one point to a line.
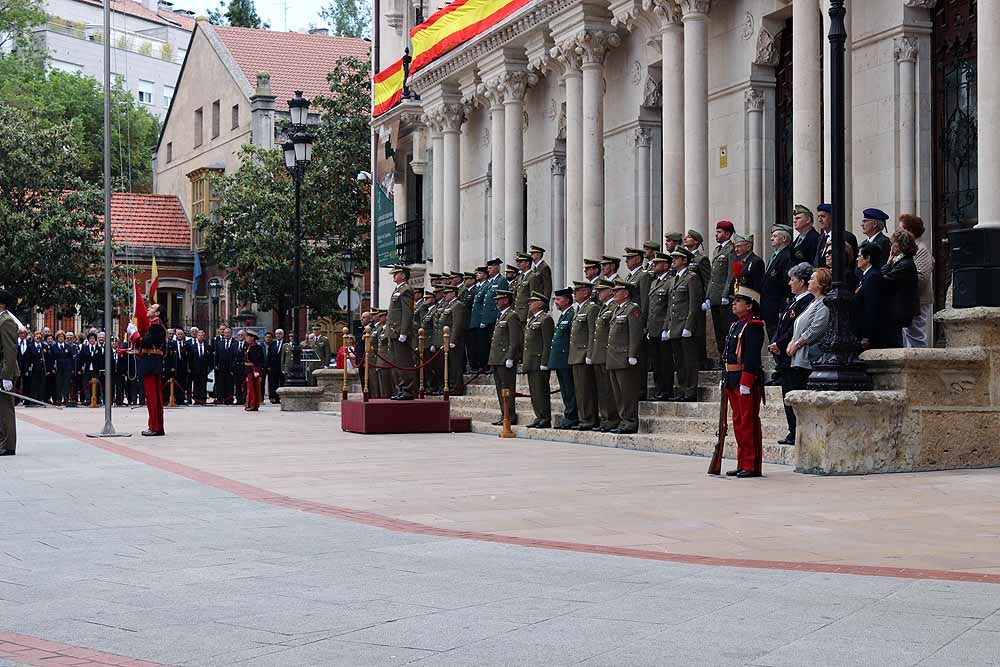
300 13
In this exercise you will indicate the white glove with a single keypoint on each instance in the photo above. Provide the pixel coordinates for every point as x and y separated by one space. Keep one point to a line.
543 368
433 349
509 363
725 301
402 338
632 361
686 333
589 361
8 385
745 390
451 346
647 337
482 325
665 335
707 306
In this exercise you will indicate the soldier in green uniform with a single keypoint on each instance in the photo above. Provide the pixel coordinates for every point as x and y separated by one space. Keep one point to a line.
452 315
468 297
487 310
321 344
649 250
420 306
378 347
671 241
700 262
399 329
591 272
720 283
512 272
608 409
559 357
505 352
527 281
657 340
682 325
624 367
9 372
433 372
584 379
639 281
609 268
538 330
542 269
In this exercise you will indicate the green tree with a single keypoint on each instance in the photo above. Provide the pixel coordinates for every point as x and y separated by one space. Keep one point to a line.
52 241
17 18
252 230
238 13
53 97
348 18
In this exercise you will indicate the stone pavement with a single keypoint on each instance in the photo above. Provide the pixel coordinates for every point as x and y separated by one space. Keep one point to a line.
101 552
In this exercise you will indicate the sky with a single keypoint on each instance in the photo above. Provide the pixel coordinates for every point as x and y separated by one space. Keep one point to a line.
300 13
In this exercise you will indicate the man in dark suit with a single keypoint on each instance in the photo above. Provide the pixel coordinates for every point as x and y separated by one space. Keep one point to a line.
22 384
199 364
275 376
774 291
178 351
870 321
873 225
806 244
824 219
238 370
222 364
89 363
801 298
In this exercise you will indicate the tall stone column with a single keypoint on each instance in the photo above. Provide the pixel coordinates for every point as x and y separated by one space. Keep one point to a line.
754 99
672 36
593 46
643 204
569 63
695 18
906 55
558 216
988 93
437 191
514 85
497 142
452 115
807 88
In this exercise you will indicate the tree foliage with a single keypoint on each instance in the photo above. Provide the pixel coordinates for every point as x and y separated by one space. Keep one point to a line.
348 18
56 98
238 13
17 17
52 241
252 230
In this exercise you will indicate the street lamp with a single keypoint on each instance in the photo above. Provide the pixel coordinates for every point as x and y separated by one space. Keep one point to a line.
214 291
347 258
298 154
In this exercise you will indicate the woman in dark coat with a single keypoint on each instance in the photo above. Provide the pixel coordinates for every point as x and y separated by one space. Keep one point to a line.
900 276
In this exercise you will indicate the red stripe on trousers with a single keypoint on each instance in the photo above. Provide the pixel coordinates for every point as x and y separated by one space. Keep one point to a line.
746 426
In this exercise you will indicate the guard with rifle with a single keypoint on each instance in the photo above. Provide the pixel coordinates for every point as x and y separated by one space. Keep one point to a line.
743 380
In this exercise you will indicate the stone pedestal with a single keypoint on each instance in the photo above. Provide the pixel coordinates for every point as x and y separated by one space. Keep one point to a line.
932 409
300 399
331 381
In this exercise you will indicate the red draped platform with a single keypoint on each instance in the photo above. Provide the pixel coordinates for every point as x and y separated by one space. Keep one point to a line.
385 416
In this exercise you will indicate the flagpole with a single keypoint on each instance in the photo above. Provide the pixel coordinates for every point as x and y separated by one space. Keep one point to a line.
109 428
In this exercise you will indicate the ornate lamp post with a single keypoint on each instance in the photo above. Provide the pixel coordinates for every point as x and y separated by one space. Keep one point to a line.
839 368
298 154
214 292
347 258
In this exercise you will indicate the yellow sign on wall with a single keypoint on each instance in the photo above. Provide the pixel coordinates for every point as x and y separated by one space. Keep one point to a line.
723 157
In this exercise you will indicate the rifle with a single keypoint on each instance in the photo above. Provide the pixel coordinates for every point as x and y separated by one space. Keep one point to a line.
715 467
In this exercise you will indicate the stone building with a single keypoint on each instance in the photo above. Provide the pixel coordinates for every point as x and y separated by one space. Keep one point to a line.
586 126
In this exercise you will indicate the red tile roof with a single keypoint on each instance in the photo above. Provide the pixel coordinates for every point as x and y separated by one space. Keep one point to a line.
149 220
295 61
184 22
133 8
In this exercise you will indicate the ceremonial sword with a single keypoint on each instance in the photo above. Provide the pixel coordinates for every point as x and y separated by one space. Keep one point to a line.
31 400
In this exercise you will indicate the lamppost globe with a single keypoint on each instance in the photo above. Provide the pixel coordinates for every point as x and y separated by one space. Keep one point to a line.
289 148
348 259
303 148
298 108
214 289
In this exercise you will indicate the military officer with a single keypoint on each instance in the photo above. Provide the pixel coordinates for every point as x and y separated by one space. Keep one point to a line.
433 372
720 283
693 241
505 352
539 266
774 292
623 364
591 272
649 250
671 241
872 224
9 372
486 302
684 326
386 385
609 268
321 344
512 273
468 297
824 221
420 305
581 331
639 281
598 351
527 282
374 383
806 244
743 381
657 342
753 266
452 315
399 330
538 330
559 357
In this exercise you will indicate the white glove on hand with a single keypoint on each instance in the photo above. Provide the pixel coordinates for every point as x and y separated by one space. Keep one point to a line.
632 361
665 335
402 338
482 325
725 301
745 390
707 306
647 337
8 385
589 361
543 368
686 333
433 349
451 346
509 363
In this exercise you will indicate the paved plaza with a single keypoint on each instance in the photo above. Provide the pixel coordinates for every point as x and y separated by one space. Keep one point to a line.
276 539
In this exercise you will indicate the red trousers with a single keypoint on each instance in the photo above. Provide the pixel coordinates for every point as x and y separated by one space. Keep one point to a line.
153 386
746 425
253 391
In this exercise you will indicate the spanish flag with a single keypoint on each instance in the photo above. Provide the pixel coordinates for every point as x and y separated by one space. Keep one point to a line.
454 24
154 281
388 88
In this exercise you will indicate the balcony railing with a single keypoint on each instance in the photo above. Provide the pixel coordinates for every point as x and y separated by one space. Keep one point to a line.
120 39
410 241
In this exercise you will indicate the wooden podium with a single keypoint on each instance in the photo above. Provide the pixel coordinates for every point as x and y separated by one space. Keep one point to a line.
379 415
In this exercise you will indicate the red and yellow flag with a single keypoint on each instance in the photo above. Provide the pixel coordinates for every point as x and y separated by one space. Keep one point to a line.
388 88
455 24
154 281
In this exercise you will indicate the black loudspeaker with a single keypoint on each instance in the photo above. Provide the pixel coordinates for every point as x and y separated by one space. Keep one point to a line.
976 286
975 246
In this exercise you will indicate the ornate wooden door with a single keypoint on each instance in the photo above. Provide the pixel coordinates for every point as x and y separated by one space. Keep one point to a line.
783 203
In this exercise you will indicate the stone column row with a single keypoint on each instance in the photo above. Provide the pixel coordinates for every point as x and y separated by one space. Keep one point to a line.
906 56
568 62
754 101
445 124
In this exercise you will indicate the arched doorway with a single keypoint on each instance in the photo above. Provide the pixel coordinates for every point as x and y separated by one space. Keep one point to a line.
783 191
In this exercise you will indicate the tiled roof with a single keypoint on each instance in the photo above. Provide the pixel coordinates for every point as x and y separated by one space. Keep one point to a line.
133 8
295 61
149 220
183 22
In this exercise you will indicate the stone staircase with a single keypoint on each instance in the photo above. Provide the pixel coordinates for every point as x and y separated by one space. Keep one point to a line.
676 428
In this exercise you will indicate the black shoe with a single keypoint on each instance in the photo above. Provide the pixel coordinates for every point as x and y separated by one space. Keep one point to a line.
543 425
787 440
533 424
585 427
6 452
568 426
621 430
773 382
742 474
733 473
498 422
153 433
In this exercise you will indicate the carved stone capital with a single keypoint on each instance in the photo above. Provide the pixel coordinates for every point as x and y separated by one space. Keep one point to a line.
558 166
695 8
492 94
432 121
753 98
921 4
515 84
643 137
668 12
565 59
593 45
906 49
451 116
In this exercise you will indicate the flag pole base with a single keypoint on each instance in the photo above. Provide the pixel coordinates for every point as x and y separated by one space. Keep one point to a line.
109 432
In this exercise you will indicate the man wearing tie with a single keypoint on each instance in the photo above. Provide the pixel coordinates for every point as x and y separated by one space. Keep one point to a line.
275 377
222 359
180 354
90 359
199 363
238 370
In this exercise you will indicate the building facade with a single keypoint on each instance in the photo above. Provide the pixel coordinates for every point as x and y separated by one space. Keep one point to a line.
587 126
148 43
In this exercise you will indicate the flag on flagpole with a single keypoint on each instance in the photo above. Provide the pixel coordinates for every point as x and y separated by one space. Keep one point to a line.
154 281
196 274
388 88
139 325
